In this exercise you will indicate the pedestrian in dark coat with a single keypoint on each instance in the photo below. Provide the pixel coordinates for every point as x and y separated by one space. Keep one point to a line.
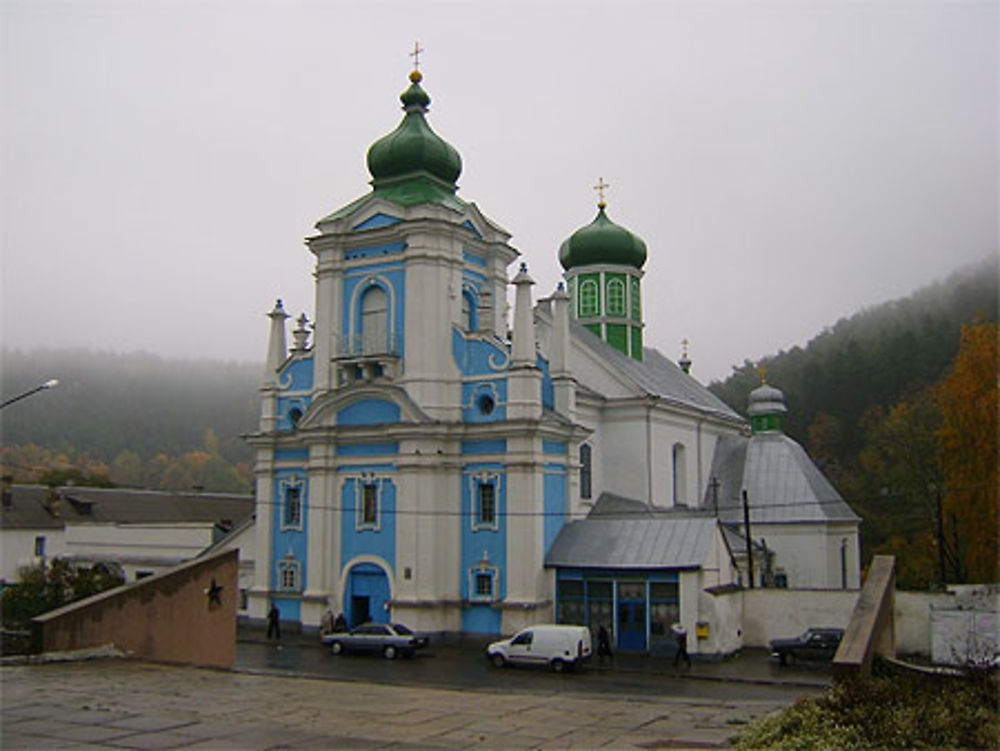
274 622
603 644
680 635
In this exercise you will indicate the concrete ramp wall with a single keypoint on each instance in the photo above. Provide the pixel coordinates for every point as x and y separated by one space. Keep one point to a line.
185 615
871 630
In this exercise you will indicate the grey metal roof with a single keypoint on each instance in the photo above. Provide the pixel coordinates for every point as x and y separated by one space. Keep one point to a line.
31 508
656 375
782 483
639 543
611 505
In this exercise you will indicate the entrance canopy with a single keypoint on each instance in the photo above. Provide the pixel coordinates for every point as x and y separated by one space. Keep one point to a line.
667 542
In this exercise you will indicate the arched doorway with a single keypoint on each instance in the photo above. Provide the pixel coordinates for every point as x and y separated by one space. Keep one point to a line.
367 595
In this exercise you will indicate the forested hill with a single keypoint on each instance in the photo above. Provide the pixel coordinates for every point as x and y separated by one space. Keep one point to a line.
130 408
898 406
873 358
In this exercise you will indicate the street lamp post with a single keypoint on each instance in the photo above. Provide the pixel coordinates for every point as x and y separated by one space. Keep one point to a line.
49 384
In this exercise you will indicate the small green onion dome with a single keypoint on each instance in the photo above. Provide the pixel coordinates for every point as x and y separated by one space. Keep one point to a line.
413 147
602 242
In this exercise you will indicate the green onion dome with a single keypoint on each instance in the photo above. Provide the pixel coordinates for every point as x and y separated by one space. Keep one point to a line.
413 148
602 242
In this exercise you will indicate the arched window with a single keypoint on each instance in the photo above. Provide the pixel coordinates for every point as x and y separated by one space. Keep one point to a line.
616 297
588 297
678 463
374 320
470 314
636 302
585 470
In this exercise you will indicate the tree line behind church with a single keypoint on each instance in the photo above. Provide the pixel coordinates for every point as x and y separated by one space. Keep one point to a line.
896 404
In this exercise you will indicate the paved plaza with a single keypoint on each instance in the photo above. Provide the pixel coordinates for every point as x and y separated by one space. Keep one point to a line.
124 704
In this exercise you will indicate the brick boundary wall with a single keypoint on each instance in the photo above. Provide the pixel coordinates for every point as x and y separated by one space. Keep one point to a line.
175 616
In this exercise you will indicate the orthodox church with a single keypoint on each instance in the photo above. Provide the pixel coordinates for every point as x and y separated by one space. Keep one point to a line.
421 458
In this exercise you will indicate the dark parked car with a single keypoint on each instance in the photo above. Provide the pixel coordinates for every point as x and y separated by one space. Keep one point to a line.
391 639
814 644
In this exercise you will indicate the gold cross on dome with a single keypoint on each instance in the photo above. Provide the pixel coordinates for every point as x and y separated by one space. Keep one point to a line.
762 372
601 185
417 49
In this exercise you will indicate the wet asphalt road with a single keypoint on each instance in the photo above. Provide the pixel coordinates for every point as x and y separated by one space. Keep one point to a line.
465 667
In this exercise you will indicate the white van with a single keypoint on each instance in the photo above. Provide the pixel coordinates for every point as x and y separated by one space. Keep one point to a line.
559 647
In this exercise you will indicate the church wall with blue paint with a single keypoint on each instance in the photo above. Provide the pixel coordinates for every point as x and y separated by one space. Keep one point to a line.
425 455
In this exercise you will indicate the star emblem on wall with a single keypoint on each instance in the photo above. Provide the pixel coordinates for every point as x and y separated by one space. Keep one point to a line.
214 593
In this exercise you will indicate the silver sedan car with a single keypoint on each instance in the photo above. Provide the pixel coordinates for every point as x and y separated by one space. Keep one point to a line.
391 639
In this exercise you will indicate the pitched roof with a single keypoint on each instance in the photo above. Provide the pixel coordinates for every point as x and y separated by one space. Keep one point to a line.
782 483
655 375
31 508
622 533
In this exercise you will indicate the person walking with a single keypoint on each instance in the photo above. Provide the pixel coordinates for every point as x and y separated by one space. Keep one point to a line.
274 623
680 635
603 644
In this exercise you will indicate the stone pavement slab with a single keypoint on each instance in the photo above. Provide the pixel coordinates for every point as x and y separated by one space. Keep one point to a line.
122 704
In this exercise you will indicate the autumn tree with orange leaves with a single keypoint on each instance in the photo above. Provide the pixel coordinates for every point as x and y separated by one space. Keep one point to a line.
967 452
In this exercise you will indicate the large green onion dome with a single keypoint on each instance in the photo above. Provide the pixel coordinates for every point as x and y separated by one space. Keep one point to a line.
413 148
602 242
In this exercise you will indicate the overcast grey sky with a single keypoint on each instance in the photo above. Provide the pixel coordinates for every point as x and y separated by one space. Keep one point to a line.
787 163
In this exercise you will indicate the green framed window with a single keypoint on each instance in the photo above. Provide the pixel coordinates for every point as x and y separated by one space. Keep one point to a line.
616 297
589 298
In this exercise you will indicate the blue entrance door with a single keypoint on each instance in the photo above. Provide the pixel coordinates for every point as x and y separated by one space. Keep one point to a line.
631 615
367 594
632 624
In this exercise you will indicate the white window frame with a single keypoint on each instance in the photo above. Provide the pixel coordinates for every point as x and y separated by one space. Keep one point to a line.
586 453
285 485
586 285
484 569
360 483
485 478
635 303
289 566
616 297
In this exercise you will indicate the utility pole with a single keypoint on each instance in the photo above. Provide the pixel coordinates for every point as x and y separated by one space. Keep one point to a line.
746 521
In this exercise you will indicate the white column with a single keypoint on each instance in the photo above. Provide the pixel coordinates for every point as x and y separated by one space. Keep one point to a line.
564 385
263 563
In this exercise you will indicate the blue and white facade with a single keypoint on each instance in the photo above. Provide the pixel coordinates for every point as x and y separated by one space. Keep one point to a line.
421 452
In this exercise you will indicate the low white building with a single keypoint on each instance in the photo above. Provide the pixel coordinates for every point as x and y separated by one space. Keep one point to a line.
143 532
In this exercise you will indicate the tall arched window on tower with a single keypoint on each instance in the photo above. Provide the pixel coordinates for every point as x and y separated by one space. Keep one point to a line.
374 321
678 463
585 470
616 297
588 297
